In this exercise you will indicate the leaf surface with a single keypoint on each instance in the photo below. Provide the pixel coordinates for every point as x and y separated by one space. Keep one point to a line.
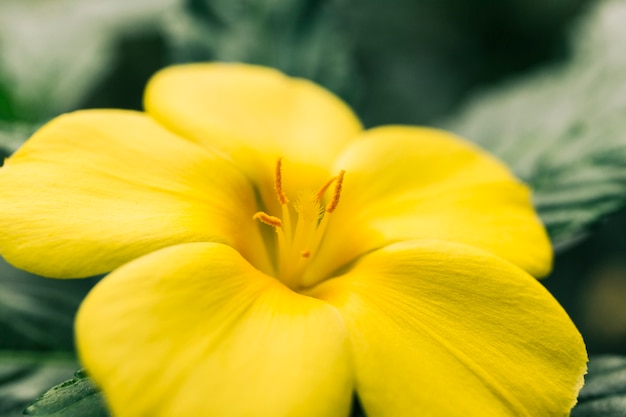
604 393
563 130
24 376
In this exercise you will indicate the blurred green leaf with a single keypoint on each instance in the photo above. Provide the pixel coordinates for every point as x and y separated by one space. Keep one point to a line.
564 130
54 52
420 59
604 393
12 135
38 313
77 397
6 102
24 376
303 38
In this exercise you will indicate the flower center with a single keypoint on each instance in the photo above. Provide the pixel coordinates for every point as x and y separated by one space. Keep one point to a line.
299 240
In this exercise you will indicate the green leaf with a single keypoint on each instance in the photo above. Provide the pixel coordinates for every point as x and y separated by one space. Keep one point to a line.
77 397
24 376
38 313
55 52
563 130
604 393
302 38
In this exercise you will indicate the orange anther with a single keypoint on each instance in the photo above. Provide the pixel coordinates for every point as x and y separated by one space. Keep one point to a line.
305 254
322 190
267 219
337 193
278 182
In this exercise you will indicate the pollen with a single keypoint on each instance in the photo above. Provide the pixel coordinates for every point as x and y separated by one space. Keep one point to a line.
267 219
278 183
332 206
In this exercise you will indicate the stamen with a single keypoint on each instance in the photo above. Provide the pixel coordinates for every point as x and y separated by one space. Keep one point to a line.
278 183
267 219
299 241
332 206
282 199
322 190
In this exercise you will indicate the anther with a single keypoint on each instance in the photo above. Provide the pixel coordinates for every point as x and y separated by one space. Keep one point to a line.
267 219
337 193
305 254
278 183
320 193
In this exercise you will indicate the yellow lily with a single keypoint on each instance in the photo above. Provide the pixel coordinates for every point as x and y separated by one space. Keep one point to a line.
270 258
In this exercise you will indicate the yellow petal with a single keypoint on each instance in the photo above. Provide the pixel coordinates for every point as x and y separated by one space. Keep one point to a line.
444 329
255 115
94 189
409 183
194 330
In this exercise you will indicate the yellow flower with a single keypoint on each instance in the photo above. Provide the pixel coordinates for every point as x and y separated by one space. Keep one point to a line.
270 258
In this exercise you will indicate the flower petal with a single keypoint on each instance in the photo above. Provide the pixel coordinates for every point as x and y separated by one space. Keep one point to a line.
409 183
194 330
444 329
94 189
255 115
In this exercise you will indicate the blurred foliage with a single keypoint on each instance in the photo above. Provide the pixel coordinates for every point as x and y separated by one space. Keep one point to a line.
24 376
53 52
405 62
37 313
604 393
302 38
421 58
564 130
12 135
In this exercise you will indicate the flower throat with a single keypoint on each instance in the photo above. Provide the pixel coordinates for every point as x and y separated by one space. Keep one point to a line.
299 242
